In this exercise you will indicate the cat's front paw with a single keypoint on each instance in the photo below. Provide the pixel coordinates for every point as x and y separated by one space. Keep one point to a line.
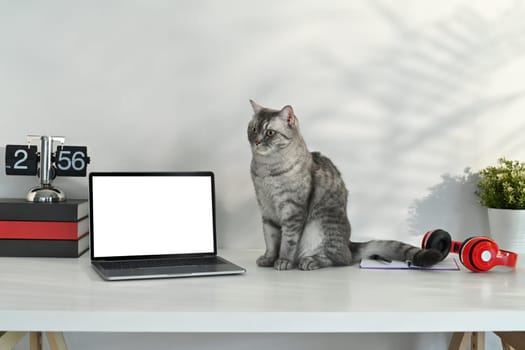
309 263
283 264
265 261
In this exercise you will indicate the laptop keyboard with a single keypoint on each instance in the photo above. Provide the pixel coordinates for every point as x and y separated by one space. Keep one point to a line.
142 264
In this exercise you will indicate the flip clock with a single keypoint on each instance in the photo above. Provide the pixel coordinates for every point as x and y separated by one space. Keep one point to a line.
47 164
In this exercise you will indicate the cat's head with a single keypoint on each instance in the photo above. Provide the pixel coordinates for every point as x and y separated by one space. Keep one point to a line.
272 130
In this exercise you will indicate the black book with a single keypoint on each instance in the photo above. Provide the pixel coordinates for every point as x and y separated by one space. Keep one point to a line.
20 209
48 248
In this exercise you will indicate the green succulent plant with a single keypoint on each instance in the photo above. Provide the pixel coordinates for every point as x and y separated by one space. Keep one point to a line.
503 186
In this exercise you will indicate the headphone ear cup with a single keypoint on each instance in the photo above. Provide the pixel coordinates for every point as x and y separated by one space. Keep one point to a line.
439 240
461 250
479 254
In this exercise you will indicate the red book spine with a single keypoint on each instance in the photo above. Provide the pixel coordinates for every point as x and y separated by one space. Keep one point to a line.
43 229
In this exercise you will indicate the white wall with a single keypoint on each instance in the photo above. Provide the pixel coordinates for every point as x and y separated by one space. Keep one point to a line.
403 96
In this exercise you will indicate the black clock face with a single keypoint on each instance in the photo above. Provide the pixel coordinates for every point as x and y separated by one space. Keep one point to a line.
21 160
71 161
66 161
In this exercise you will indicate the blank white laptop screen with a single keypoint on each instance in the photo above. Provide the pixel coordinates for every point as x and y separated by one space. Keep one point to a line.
152 215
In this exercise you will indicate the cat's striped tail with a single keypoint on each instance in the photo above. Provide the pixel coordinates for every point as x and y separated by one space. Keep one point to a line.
393 250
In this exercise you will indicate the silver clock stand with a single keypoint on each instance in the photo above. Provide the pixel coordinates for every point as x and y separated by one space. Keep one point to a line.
46 192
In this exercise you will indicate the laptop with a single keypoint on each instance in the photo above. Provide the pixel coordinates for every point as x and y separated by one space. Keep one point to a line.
154 225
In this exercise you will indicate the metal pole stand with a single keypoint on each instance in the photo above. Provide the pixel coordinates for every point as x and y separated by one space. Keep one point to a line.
46 192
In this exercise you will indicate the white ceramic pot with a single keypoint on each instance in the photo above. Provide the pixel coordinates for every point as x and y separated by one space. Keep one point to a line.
507 228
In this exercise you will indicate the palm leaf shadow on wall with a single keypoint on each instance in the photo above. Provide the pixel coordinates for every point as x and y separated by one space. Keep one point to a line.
451 205
430 83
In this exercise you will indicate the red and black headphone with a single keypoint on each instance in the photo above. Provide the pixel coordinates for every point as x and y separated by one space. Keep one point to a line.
478 254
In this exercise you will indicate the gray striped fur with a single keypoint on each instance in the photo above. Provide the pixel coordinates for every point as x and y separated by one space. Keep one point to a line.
303 200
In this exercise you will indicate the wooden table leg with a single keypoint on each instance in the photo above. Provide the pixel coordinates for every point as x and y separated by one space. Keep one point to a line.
478 341
56 340
459 341
516 340
35 340
9 339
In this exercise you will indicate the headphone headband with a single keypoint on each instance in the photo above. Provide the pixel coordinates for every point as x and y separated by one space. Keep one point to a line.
507 258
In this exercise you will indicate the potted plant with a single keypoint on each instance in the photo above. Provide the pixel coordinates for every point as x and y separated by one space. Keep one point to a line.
501 189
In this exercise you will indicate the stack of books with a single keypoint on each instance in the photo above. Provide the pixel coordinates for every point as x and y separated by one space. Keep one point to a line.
30 229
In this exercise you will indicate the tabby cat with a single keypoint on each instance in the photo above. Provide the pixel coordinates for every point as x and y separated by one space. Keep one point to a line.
302 199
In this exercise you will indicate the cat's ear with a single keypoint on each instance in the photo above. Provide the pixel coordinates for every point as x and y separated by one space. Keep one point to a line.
288 114
256 107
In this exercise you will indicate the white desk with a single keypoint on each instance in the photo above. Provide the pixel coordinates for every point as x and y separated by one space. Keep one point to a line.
67 295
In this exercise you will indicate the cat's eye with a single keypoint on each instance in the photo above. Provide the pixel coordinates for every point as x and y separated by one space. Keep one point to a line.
254 129
270 132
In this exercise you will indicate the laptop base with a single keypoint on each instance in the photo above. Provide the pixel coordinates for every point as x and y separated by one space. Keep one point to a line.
225 267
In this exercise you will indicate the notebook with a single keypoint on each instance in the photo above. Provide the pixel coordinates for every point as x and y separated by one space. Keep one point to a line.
449 264
154 225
